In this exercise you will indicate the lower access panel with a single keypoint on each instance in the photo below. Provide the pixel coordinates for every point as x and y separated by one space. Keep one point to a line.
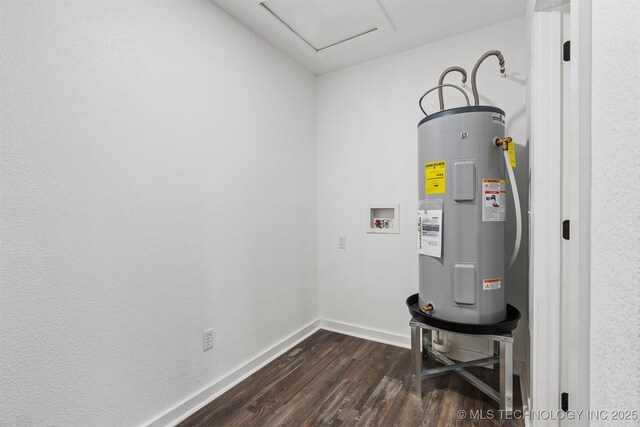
464 283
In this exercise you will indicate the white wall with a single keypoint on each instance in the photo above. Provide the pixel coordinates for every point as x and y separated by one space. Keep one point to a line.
615 234
367 145
157 179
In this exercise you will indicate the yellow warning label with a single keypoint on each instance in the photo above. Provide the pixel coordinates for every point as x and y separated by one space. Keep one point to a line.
435 177
512 153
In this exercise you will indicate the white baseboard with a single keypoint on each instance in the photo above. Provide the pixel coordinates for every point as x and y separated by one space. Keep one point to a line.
209 393
366 333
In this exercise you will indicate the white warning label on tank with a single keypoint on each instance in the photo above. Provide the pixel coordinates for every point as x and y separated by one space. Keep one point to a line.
430 232
494 200
497 118
489 284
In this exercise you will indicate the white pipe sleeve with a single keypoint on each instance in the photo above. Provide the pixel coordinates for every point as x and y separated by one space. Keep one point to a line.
516 206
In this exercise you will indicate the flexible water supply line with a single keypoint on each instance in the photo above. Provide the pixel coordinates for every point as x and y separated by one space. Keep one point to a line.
516 206
439 87
441 81
474 72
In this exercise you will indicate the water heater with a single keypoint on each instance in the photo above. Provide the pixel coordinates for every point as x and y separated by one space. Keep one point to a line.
463 164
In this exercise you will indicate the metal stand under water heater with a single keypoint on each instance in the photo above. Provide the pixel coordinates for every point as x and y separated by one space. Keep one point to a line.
463 160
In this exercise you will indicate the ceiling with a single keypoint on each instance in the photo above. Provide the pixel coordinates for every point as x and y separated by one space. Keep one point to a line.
326 35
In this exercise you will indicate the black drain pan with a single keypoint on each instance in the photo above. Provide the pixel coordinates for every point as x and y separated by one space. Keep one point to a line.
500 328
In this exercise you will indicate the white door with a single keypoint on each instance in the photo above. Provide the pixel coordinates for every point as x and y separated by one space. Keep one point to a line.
576 175
560 190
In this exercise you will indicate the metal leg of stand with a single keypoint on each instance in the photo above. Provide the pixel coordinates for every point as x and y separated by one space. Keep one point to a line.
506 376
421 345
416 348
427 335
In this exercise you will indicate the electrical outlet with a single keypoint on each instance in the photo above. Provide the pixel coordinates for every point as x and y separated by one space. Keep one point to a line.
342 242
207 340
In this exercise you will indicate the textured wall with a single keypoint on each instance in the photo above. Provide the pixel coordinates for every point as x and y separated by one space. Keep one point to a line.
157 178
615 203
367 148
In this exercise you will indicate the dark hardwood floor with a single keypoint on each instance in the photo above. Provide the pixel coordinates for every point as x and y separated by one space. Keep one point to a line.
331 379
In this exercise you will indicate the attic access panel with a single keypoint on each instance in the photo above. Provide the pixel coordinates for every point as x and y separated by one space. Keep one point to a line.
325 25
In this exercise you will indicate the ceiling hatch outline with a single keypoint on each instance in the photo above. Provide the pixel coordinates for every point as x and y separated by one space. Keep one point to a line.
379 27
317 49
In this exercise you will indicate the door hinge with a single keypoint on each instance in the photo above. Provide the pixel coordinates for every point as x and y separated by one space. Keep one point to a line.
566 229
564 401
566 51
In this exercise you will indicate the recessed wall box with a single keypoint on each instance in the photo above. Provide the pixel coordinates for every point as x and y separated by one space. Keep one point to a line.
383 219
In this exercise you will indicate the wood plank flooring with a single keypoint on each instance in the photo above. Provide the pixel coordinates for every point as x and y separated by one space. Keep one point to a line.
331 379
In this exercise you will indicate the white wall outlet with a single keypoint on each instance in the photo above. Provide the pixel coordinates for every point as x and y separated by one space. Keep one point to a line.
342 242
207 340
